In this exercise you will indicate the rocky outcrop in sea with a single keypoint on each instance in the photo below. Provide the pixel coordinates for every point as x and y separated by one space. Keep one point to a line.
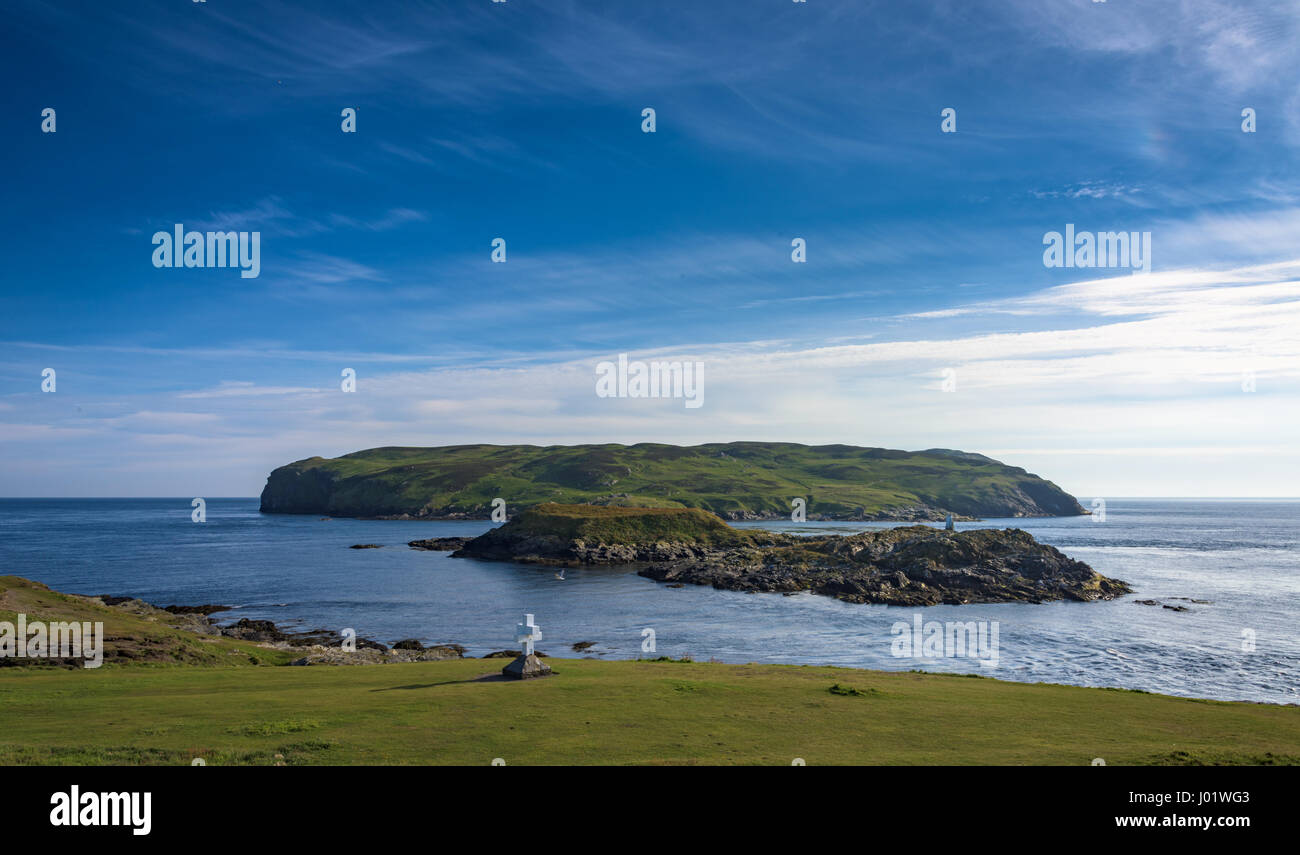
909 565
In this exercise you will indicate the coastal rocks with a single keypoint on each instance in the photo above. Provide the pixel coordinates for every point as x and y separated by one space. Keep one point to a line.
206 609
316 646
129 604
254 630
899 514
196 623
267 633
910 565
1176 607
330 638
366 546
526 668
440 544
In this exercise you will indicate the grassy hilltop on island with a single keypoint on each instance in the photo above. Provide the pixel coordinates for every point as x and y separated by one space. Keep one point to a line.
737 480
624 525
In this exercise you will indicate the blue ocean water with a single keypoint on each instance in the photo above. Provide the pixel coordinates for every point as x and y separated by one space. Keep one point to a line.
1243 556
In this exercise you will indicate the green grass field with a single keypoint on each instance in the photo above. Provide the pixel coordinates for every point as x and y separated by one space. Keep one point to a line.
167 696
592 712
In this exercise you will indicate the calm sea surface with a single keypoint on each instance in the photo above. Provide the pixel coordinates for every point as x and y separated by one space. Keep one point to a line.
1241 555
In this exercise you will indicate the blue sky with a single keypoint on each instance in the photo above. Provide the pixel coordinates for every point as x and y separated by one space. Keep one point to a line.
775 120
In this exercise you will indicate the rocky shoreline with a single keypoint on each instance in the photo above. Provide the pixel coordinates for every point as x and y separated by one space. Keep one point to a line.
909 566
440 544
913 566
317 646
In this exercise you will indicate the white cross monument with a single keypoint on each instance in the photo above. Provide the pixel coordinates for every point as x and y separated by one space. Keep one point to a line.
527 665
526 633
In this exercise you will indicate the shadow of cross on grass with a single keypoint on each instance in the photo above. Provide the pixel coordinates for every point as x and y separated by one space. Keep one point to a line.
494 677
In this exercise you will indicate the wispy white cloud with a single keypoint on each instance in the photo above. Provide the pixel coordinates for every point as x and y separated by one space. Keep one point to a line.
1089 190
245 388
272 216
1146 366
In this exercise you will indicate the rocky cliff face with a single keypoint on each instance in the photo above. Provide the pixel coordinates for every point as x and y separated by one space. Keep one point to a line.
298 489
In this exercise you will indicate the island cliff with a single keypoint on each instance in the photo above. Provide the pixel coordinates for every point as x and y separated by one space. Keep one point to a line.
738 480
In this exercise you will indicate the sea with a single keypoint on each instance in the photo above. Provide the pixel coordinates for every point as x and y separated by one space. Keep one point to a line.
1224 575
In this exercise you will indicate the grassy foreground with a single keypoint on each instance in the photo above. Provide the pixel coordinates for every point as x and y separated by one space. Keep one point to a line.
609 713
167 696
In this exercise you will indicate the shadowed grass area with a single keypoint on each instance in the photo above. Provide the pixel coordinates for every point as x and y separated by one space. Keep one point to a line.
628 712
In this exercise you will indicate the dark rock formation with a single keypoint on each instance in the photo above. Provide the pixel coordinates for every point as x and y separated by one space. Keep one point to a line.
266 632
254 630
205 609
440 544
914 565
911 565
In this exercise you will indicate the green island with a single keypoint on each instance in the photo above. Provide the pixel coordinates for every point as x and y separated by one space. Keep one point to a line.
167 695
735 480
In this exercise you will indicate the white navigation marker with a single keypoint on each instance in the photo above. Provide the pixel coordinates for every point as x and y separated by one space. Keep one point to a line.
949 526
526 633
